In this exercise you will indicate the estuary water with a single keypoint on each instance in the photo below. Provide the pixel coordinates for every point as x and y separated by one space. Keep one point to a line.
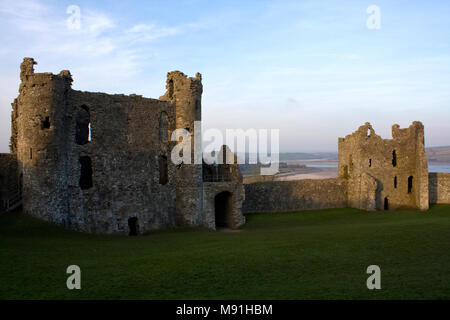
432 167
441 167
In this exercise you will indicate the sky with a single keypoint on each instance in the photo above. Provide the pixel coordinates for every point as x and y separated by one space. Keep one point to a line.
313 69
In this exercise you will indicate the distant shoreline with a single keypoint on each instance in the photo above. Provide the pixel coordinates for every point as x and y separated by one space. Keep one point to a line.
324 169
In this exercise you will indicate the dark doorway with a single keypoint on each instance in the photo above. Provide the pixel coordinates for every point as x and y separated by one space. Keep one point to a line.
222 207
133 226
410 184
85 173
386 203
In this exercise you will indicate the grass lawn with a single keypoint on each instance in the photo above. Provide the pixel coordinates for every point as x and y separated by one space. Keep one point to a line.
300 255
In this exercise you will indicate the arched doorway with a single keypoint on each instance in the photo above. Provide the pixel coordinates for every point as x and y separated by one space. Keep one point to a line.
222 209
386 203
133 226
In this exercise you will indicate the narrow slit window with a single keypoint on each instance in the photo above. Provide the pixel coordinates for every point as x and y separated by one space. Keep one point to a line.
83 126
395 182
31 153
370 163
394 158
410 184
163 173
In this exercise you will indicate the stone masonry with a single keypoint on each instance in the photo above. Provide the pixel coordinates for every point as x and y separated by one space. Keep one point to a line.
101 163
439 186
385 174
374 174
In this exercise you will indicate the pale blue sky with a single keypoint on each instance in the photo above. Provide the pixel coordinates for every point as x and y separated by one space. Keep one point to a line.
309 68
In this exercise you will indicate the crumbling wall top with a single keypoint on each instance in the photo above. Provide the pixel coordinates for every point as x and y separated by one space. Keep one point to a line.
178 81
415 128
367 131
27 68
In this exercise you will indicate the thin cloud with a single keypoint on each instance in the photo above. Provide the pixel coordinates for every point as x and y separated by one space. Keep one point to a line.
149 32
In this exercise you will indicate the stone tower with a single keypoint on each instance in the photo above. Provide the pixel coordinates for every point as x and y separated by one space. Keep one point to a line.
39 138
101 163
385 174
186 94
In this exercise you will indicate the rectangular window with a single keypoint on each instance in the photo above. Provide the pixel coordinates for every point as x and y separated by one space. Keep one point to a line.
85 173
410 184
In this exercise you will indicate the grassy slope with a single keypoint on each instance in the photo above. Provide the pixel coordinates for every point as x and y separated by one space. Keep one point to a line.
305 255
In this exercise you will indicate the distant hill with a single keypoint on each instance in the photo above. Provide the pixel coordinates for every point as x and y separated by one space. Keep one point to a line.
438 154
434 154
283 156
308 156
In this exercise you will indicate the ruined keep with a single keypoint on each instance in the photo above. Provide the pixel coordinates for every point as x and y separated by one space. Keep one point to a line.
373 174
100 163
385 174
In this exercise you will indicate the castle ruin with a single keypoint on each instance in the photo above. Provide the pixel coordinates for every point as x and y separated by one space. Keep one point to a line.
100 163
373 174
385 174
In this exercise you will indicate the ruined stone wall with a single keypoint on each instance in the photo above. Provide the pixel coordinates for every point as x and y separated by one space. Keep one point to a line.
91 161
9 180
398 166
278 196
125 150
185 93
439 187
362 192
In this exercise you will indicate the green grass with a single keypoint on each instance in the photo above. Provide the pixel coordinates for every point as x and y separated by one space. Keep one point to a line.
300 255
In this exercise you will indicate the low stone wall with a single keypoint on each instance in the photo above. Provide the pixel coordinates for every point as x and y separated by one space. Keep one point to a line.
439 187
277 196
